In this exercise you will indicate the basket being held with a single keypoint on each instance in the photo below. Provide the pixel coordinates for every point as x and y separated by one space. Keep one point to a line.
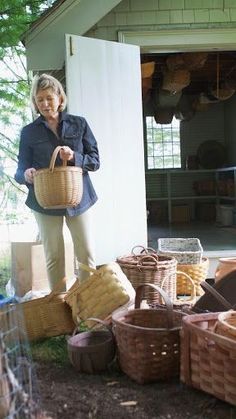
60 186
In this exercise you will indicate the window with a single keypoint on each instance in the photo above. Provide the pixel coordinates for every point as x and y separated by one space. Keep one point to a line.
163 144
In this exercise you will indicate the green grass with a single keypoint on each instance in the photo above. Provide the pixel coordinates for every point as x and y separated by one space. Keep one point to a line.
51 350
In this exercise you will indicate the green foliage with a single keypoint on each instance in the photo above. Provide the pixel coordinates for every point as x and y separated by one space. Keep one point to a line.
15 18
51 350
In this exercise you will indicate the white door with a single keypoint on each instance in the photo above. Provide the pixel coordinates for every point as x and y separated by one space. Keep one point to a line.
103 81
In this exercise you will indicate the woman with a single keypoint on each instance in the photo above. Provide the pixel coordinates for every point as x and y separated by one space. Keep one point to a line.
38 140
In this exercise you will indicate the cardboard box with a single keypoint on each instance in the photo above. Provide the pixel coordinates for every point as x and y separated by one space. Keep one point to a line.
180 214
28 266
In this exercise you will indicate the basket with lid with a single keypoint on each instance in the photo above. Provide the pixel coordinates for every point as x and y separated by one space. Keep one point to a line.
60 186
148 339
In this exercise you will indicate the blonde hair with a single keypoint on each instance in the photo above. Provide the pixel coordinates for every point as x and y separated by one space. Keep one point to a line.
46 81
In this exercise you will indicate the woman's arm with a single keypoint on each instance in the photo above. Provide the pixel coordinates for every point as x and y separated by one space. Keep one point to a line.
24 161
89 159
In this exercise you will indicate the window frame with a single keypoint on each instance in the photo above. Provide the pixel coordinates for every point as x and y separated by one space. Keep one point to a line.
173 167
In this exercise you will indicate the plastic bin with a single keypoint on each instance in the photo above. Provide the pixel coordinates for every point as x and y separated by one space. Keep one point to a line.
226 215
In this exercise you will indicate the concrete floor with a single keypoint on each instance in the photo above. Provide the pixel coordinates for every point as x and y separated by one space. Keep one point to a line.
216 241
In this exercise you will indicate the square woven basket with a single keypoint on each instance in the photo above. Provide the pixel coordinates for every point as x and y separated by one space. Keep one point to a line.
208 360
103 292
185 250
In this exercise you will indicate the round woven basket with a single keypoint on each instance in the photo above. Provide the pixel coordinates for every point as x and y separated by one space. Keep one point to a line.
226 324
150 268
148 339
58 187
198 273
93 351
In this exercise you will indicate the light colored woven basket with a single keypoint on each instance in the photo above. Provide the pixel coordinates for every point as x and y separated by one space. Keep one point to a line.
226 324
148 339
208 360
150 268
185 250
198 273
60 186
103 292
45 317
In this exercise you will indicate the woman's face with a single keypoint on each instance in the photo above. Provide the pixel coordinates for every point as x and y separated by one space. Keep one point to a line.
48 103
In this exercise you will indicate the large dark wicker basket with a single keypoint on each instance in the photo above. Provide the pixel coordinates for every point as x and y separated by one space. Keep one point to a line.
148 341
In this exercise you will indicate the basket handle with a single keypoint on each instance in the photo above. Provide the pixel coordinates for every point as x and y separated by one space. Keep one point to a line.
146 250
193 286
207 288
88 268
95 319
150 257
168 303
54 156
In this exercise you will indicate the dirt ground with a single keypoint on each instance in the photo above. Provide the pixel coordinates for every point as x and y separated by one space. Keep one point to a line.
68 394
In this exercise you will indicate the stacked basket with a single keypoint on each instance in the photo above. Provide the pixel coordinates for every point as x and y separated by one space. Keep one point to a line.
188 253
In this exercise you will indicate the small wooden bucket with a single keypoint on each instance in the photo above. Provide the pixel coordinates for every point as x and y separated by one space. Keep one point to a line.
91 352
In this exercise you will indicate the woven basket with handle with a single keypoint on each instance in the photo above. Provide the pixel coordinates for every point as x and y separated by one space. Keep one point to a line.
92 351
197 271
148 339
148 267
43 317
60 186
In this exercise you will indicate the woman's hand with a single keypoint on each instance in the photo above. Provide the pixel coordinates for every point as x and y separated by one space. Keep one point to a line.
29 175
66 153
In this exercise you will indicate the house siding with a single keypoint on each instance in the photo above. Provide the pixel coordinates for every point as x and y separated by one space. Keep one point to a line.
165 14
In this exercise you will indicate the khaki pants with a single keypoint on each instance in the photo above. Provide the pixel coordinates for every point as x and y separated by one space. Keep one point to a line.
51 234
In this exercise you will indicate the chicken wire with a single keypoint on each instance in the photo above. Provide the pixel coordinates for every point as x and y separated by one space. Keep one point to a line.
18 385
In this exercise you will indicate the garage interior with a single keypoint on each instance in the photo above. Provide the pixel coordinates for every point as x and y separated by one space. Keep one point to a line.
196 199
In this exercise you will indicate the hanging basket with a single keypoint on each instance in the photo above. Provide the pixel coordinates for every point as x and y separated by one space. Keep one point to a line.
174 81
148 339
60 186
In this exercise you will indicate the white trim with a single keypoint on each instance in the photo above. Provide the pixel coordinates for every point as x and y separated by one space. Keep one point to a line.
181 40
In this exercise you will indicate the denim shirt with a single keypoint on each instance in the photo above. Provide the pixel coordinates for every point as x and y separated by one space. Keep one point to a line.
37 144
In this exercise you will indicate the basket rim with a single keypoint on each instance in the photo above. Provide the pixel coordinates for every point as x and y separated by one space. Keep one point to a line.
58 169
191 321
161 241
117 319
224 316
102 334
204 261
